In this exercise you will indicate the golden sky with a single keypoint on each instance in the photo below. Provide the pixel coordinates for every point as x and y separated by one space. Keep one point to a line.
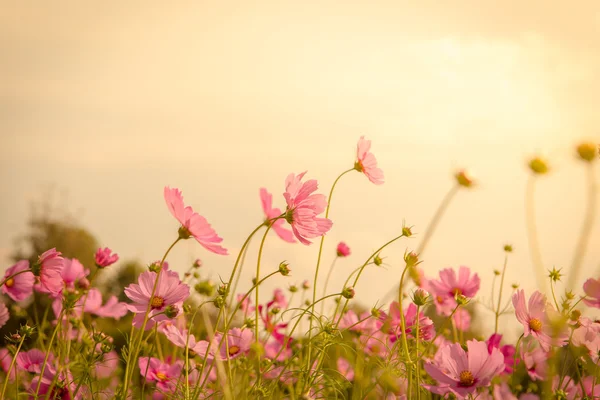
110 102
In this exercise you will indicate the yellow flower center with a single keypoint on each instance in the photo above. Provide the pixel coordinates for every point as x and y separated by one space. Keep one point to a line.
157 302
233 350
466 379
9 283
161 376
535 325
456 291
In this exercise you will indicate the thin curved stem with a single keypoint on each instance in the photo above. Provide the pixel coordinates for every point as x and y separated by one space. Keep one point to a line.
532 236
256 324
47 356
13 275
500 293
586 228
10 368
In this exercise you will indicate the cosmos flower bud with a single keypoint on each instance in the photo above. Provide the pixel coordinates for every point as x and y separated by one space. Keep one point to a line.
377 260
83 283
197 263
348 292
342 250
154 267
306 285
575 314
461 300
538 166
411 259
463 178
275 310
375 312
406 231
284 268
106 348
26 330
171 311
515 285
420 297
496 272
222 290
293 288
219 302
249 322
205 288
555 274
587 151
508 248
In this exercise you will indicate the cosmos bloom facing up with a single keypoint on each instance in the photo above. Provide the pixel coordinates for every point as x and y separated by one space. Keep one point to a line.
192 223
278 225
366 162
18 287
303 207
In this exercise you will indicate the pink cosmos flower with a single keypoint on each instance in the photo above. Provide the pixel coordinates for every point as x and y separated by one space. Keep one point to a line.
278 226
48 269
279 350
55 386
591 287
165 375
237 342
508 351
4 315
345 369
567 386
113 308
592 387
363 324
269 321
366 162
72 272
303 207
342 250
105 258
450 285
539 319
535 360
5 361
588 336
32 360
107 365
462 320
180 337
463 372
245 303
169 291
18 287
426 328
193 224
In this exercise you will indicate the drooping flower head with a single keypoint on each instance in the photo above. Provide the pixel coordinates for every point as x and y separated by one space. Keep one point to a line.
104 257
303 207
342 250
48 268
366 162
591 287
18 287
192 223
278 225
462 372
170 291
539 319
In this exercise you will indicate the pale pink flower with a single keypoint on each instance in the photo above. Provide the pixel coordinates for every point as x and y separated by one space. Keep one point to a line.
245 303
567 385
18 287
591 287
539 319
72 272
588 336
462 320
32 360
113 308
180 337
366 162
165 375
463 372
4 315
303 207
192 223
5 361
48 268
363 324
104 257
107 365
279 350
508 351
270 213
426 328
342 250
449 285
345 369
535 360
502 392
237 342
169 291
592 387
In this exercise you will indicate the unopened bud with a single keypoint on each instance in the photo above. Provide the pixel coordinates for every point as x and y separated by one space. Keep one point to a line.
106 347
420 297
406 231
205 288
222 290
197 263
348 292
306 285
555 274
284 268
538 166
275 310
461 299
375 312
508 248
587 151
171 311
26 330
515 285
496 272
293 288
83 283
219 302
411 259
575 314
463 178
377 260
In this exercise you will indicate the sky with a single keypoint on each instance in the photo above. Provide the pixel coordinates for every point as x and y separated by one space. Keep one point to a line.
107 103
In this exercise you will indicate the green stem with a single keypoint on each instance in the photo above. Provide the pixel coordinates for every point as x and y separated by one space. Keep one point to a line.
418 369
586 228
500 293
58 324
260 251
402 318
12 364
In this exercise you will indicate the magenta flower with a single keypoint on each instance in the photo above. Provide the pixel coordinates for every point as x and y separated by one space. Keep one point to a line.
462 372
32 360
450 285
426 328
303 208
270 213
55 386
18 287
539 319
366 162
192 224
165 375
48 269
342 250
104 257
169 291
4 315
591 287
508 351
237 342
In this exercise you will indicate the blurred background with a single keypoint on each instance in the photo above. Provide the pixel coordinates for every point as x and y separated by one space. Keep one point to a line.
102 105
